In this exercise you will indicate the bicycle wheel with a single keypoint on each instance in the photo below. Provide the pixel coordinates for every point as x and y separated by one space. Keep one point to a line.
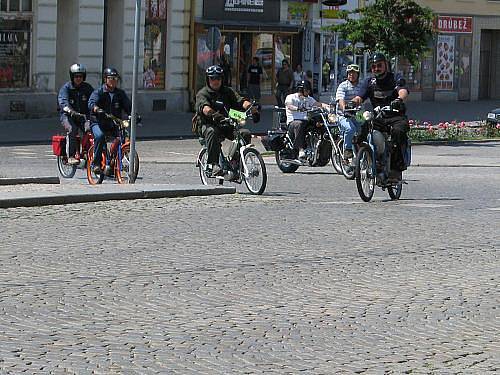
282 165
92 177
395 190
122 167
202 166
256 179
365 180
336 156
66 170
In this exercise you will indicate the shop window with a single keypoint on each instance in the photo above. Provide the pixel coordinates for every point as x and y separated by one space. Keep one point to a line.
16 5
15 39
412 74
155 36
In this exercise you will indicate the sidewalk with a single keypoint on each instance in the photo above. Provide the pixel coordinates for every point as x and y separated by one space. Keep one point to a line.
178 124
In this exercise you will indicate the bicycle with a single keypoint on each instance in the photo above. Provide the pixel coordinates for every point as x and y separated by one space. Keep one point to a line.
83 144
115 160
243 163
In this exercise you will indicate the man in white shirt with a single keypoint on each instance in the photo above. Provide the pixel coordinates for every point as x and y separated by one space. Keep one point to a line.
296 106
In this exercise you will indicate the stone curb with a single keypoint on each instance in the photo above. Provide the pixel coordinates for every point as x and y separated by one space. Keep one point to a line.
102 193
29 180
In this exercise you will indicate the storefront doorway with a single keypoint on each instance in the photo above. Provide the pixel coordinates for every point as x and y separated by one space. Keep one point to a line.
235 54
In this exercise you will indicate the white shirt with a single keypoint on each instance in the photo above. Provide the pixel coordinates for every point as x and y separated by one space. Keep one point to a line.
298 101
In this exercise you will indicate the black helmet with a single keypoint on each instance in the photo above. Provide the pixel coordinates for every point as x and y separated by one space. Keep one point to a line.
214 71
376 57
77 69
110 72
304 85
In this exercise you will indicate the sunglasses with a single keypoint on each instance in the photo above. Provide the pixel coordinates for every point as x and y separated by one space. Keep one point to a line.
377 65
215 78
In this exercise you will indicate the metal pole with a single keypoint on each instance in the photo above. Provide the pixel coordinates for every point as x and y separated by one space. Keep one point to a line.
335 83
134 90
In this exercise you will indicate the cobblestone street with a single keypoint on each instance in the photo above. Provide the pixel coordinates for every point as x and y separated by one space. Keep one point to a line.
304 279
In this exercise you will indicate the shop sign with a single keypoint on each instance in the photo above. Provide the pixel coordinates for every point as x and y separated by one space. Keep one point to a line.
242 10
14 53
450 24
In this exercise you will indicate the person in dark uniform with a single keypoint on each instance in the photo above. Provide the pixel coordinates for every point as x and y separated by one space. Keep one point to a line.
73 106
106 100
209 123
254 77
385 89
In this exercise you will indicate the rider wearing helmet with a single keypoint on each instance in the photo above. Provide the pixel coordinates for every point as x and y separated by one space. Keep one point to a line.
384 89
73 106
347 91
104 101
296 106
211 115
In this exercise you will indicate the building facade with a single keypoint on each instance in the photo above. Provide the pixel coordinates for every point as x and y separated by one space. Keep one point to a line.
40 39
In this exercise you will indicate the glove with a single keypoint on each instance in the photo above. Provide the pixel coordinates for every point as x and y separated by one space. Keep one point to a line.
218 118
398 105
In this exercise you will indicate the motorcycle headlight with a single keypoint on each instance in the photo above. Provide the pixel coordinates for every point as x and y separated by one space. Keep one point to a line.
332 117
126 123
367 115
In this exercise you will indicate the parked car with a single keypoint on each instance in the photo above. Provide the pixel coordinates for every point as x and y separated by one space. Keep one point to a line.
493 117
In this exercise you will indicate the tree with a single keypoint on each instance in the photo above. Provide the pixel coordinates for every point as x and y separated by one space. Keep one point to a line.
395 27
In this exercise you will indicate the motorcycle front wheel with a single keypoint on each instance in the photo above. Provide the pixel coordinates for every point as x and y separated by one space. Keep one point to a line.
66 170
284 166
257 175
202 165
365 179
122 167
336 156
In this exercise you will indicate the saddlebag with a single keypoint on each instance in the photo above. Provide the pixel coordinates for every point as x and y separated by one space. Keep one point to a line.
59 145
273 141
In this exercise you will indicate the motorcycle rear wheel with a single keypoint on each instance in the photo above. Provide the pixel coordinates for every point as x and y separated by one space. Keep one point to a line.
66 170
395 190
365 180
284 166
202 164
92 177
257 175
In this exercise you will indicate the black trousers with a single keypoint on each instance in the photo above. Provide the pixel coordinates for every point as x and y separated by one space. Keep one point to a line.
399 134
297 132
214 135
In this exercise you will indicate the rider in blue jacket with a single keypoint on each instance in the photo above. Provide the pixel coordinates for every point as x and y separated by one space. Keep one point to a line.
73 106
104 101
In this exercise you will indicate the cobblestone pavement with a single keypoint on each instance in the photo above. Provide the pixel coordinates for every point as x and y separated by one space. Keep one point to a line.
305 279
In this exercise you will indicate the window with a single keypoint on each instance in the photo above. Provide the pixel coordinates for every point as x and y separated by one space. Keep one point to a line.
154 44
411 74
16 5
15 39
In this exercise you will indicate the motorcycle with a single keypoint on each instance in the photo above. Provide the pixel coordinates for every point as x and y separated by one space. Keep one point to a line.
322 141
373 162
243 162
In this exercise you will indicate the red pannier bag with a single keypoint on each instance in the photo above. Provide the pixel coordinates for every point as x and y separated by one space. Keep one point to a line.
59 145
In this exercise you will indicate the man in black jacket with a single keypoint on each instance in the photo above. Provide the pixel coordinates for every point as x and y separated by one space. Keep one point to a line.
210 117
385 89
104 101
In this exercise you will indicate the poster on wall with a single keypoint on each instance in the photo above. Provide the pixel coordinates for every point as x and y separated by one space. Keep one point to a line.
154 45
445 62
14 53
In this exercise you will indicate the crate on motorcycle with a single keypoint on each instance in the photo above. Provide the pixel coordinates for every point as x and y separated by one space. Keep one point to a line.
59 145
273 141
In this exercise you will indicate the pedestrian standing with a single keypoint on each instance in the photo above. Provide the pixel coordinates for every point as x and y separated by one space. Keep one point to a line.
254 77
326 76
284 84
298 75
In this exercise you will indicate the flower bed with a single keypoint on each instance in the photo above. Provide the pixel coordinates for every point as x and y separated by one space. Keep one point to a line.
452 131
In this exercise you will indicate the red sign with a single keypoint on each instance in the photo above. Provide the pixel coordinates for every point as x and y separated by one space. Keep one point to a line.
453 24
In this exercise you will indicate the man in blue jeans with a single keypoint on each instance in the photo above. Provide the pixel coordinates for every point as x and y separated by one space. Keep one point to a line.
347 91
106 100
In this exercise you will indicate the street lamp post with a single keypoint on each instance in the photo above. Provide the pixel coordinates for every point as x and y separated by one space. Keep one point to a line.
133 123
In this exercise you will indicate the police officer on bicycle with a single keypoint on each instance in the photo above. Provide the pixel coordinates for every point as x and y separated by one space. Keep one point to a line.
73 106
385 89
210 124
104 101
